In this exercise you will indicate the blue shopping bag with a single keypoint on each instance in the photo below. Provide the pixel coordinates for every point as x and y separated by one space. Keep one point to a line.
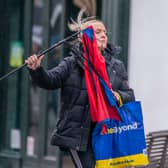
118 144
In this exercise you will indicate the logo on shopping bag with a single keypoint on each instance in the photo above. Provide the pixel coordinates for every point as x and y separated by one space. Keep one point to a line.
130 127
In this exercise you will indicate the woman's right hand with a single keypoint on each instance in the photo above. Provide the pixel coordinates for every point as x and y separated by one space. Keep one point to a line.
33 62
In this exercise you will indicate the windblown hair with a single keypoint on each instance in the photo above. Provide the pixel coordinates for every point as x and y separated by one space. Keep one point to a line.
81 24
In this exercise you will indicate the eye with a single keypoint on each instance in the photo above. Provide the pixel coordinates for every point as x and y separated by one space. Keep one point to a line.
97 31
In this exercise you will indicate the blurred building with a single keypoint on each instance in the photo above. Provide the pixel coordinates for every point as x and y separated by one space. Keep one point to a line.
27 113
148 60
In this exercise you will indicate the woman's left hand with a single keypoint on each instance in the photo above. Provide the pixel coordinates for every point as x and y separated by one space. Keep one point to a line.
116 95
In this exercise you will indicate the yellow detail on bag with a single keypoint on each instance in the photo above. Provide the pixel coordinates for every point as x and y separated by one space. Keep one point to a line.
120 101
122 162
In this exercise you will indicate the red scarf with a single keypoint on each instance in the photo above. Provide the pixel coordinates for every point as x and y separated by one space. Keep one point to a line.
95 68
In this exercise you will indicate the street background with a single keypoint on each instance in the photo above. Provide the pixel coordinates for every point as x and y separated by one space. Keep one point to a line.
28 114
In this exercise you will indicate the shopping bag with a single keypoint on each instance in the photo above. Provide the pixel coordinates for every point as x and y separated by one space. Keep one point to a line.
117 144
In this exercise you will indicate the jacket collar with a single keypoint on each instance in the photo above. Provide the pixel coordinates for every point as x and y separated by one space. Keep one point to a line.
112 51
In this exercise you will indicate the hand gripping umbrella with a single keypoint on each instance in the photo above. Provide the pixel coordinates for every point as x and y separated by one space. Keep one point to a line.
42 53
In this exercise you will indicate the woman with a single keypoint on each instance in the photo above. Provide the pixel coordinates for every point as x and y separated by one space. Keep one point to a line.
74 128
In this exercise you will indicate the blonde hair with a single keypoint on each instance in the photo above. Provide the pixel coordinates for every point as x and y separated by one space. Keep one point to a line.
81 24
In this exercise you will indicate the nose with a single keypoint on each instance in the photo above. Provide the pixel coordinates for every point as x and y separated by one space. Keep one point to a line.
103 35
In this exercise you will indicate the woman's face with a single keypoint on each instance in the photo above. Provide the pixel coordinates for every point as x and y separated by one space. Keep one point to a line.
100 34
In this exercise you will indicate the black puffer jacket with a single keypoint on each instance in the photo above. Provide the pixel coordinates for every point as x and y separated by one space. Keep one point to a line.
74 127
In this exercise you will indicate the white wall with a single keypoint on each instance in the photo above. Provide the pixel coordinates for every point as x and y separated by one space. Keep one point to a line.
148 60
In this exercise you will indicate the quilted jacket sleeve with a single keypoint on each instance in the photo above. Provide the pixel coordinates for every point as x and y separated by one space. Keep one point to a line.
52 79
